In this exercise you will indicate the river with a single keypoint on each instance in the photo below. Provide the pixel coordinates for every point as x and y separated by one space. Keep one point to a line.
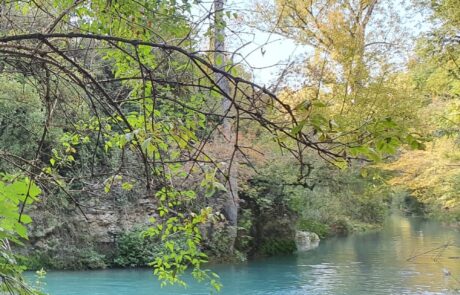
365 263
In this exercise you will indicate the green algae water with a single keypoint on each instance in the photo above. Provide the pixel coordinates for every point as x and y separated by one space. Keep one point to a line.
368 263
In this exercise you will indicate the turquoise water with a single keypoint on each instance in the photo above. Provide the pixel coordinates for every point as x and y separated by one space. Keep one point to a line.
369 263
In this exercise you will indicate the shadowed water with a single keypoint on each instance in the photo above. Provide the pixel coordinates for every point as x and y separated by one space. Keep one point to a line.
368 263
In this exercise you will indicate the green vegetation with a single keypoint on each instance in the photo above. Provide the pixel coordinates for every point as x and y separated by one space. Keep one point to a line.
277 246
14 192
134 250
113 118
73 258
311 225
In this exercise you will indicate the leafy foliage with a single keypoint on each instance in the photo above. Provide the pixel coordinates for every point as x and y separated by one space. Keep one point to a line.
311 225
328 201
352 90
273 247
432 177
15 191
134 250
20 119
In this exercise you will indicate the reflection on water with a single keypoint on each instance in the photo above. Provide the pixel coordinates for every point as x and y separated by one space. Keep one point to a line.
377 263
368 263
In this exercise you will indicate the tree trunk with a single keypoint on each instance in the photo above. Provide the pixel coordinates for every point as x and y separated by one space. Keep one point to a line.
231 201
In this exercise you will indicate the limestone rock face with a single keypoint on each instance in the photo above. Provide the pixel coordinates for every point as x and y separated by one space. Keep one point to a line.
62 231
305 240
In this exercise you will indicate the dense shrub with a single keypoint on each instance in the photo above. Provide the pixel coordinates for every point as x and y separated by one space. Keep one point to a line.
71 258
273 247
134 250
321 229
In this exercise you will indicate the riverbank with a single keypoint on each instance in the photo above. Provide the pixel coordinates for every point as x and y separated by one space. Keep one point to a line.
131 250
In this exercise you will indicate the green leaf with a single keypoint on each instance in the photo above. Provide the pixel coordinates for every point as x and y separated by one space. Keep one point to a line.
107 187
298 127
342 164
126 186
220 186
319 104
